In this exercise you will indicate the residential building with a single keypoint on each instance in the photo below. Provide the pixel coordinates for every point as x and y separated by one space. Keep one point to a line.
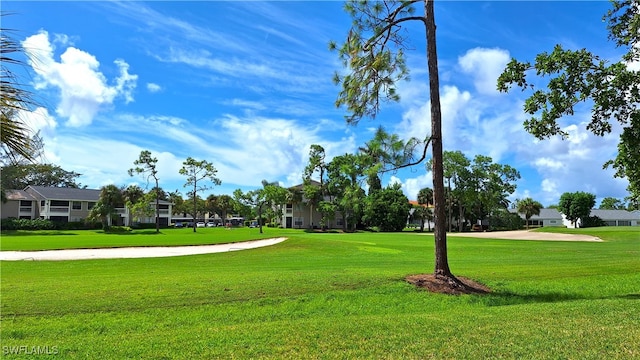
415 222
552 217
546 218
67 205
303 215
618 217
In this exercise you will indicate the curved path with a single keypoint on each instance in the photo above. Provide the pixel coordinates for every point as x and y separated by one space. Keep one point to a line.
526 235
134 252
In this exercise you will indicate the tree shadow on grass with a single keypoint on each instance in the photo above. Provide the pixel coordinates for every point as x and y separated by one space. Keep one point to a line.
504 298
137 232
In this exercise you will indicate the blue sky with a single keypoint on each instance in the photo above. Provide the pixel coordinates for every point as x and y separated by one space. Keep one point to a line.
248 87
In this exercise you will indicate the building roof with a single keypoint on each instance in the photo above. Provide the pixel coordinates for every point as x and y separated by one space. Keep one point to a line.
615 214
554 214
18 195
73 194
60 193
545 214
301 186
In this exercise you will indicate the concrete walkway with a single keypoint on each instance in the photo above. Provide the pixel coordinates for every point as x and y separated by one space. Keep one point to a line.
134 252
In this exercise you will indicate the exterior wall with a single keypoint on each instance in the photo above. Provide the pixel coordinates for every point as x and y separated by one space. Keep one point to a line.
10 209
621 222
552 222
164 215
78 210
302 216
51 209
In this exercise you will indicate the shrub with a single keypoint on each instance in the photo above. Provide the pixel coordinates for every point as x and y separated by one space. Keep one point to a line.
592 221
27 224
45 224
504 220
118 229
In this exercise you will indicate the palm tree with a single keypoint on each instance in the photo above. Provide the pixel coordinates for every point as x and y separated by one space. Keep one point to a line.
528 207
425 198
424 214
105 209
14 133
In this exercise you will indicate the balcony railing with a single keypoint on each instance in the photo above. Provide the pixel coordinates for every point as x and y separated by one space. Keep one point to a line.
26 209
56 209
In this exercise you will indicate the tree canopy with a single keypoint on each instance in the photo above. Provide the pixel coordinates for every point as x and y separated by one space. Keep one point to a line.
387 209
201 176
576 206
22 175
147 165
577 76
610 203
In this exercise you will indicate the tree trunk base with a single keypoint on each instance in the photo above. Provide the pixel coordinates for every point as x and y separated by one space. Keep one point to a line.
447 284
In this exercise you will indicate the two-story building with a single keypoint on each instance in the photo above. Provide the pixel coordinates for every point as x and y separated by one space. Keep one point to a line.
68 205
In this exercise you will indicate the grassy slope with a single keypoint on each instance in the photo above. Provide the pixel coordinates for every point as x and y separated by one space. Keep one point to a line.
335 296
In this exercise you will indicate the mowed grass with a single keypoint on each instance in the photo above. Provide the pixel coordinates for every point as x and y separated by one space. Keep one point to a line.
89 239
335 296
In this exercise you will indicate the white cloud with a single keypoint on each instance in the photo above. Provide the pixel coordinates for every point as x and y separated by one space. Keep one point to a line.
84 90
412 186
416 120
548 163
251 149
154 88
39 120
485 65
575 164
549 186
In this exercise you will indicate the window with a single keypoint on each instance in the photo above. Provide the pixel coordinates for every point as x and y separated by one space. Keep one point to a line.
90 205
59 203
624 222
77 205
298 221
339 222
41 202
26 203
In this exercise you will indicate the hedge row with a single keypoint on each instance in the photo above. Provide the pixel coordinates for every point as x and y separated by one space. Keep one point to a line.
45 224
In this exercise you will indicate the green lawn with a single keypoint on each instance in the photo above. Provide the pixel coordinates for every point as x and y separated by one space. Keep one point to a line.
334 296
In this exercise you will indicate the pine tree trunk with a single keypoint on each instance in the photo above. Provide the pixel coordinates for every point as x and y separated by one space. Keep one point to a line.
440 234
